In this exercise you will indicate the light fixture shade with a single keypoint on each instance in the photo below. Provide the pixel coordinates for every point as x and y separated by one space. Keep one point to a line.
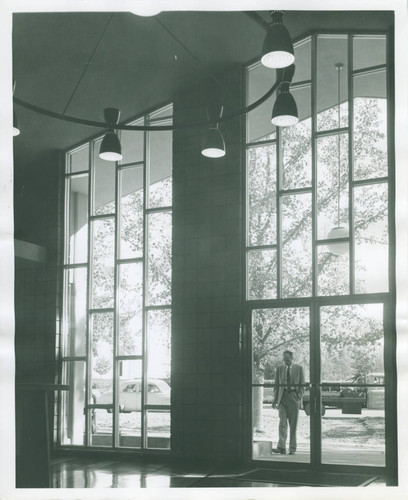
16 130
338 248
111 149
277 50
285 112
214 144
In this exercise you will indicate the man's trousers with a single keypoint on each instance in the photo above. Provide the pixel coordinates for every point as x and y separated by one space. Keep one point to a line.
288 413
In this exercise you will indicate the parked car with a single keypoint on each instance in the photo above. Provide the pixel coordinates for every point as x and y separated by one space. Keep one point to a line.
349 399
130 395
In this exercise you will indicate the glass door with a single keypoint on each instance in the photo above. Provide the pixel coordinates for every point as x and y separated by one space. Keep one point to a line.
352 384
337 409
277 332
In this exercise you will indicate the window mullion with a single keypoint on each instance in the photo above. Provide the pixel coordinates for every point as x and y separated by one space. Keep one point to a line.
278 214
314 166
351 164
146 181
115 381
88 351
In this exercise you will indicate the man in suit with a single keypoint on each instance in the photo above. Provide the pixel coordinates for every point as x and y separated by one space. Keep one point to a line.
288 392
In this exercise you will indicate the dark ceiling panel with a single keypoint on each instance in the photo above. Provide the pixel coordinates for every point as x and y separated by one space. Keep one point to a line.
138 64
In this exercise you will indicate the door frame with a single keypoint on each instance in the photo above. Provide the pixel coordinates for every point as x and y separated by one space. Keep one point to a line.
314 304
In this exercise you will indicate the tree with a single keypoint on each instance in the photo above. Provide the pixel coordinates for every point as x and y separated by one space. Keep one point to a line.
280 329
131 285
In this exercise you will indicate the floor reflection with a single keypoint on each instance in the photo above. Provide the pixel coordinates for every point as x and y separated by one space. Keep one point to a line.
81 472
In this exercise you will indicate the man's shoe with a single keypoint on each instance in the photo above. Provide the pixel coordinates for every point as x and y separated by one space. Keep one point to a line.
292 452
279 450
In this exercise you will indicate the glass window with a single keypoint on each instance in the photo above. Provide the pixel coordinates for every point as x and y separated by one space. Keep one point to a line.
131 212
262 274
369 51
115 345
331 50
371 238
370 126
78 160
297 245
297 145
262 195
103 201
76 238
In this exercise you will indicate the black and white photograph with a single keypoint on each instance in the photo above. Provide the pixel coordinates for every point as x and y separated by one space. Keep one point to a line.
204 249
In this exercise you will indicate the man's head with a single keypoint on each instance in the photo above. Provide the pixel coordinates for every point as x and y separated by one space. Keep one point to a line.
287 357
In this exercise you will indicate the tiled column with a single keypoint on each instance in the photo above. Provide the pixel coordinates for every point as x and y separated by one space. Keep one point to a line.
207 280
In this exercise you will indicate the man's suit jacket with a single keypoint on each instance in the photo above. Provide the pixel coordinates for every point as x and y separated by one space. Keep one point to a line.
296 378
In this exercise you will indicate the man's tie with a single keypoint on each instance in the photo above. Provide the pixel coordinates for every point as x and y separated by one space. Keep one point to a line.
288 379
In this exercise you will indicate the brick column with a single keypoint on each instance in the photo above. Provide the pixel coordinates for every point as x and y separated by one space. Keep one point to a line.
208 244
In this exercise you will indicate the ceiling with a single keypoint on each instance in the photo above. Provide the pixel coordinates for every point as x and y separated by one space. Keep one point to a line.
80 63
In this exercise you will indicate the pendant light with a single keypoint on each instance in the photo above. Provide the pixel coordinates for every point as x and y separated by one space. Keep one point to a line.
111 149
16 129
214 144
285 112
277 51
338 231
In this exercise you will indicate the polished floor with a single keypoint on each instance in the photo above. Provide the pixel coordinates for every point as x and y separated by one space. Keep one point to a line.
90 472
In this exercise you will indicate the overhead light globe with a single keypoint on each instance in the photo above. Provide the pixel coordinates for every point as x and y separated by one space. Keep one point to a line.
16 130
277 50
111 149
214 144
146 9
285 112
335 233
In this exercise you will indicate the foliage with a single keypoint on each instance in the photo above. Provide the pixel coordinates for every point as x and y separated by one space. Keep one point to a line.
351 339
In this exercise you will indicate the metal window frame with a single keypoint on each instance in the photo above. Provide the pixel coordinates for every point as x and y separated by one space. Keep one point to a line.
89 406
315 302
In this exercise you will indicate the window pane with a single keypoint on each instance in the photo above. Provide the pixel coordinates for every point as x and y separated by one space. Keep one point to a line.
262 274
159 354
352 351
159 258
131 212
332 195
262 195
103 183
166 112
274 331
331 50
302 60
74 338
297 245
160 168
259 126
101 358
297 145
371 238
369 51
370 126
77 227
132 144
101 330
73 403
158 429
103 252
130 403
130 299
78 160
333 269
